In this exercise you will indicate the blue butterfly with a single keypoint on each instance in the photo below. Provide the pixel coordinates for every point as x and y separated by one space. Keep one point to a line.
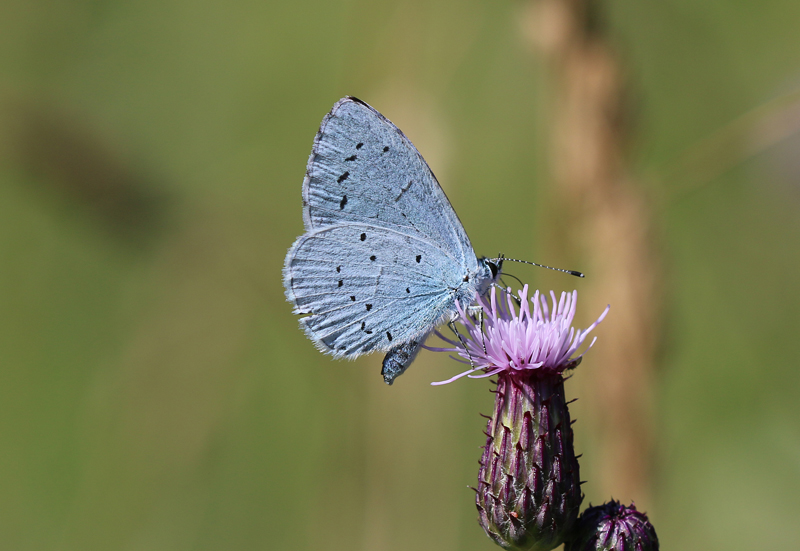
384 259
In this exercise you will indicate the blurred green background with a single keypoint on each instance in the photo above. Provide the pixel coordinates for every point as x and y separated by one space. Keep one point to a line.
155 391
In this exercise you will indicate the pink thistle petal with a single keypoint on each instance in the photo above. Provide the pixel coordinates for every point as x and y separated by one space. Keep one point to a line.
445 339
517 338
451 379
437 349
484 375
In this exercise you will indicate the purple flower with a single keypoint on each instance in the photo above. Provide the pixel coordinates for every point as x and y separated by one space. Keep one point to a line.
528 495
513 341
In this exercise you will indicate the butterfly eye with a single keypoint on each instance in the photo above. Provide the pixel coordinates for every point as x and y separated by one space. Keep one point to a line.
494 268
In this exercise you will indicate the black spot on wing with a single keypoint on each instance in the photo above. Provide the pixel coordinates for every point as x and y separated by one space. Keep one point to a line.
385 149
419 257
338 269
363 236
369 307
408 290
351 158
343 202
359 145
363 325
341 282
353 298
343 177
389 336
373 257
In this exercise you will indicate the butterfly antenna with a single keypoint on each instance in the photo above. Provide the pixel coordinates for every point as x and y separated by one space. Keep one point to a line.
570 272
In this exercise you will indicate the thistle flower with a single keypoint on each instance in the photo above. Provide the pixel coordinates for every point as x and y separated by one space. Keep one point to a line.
528 494
613 527
517 343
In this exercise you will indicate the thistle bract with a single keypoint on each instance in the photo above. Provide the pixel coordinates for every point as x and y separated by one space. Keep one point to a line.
613 527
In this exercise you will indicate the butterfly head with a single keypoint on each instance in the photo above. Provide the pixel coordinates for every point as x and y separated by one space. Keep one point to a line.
495 266
489 271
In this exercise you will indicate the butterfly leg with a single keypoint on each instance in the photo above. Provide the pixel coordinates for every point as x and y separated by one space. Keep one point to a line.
398 359
483 338
477 311
454 329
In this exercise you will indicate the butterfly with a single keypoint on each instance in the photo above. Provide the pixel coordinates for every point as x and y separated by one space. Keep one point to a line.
384 259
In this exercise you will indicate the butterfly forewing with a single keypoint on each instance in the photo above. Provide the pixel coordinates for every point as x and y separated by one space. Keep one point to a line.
363 169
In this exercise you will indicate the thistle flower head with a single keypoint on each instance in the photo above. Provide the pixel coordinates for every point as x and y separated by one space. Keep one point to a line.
613 527
528 495
505 338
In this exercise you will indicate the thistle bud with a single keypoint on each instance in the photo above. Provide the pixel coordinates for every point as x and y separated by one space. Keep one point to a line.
528 494
613 527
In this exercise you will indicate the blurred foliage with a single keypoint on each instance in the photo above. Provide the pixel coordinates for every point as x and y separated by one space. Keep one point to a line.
155 392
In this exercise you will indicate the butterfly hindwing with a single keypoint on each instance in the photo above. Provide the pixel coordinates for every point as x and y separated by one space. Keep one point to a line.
352 281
